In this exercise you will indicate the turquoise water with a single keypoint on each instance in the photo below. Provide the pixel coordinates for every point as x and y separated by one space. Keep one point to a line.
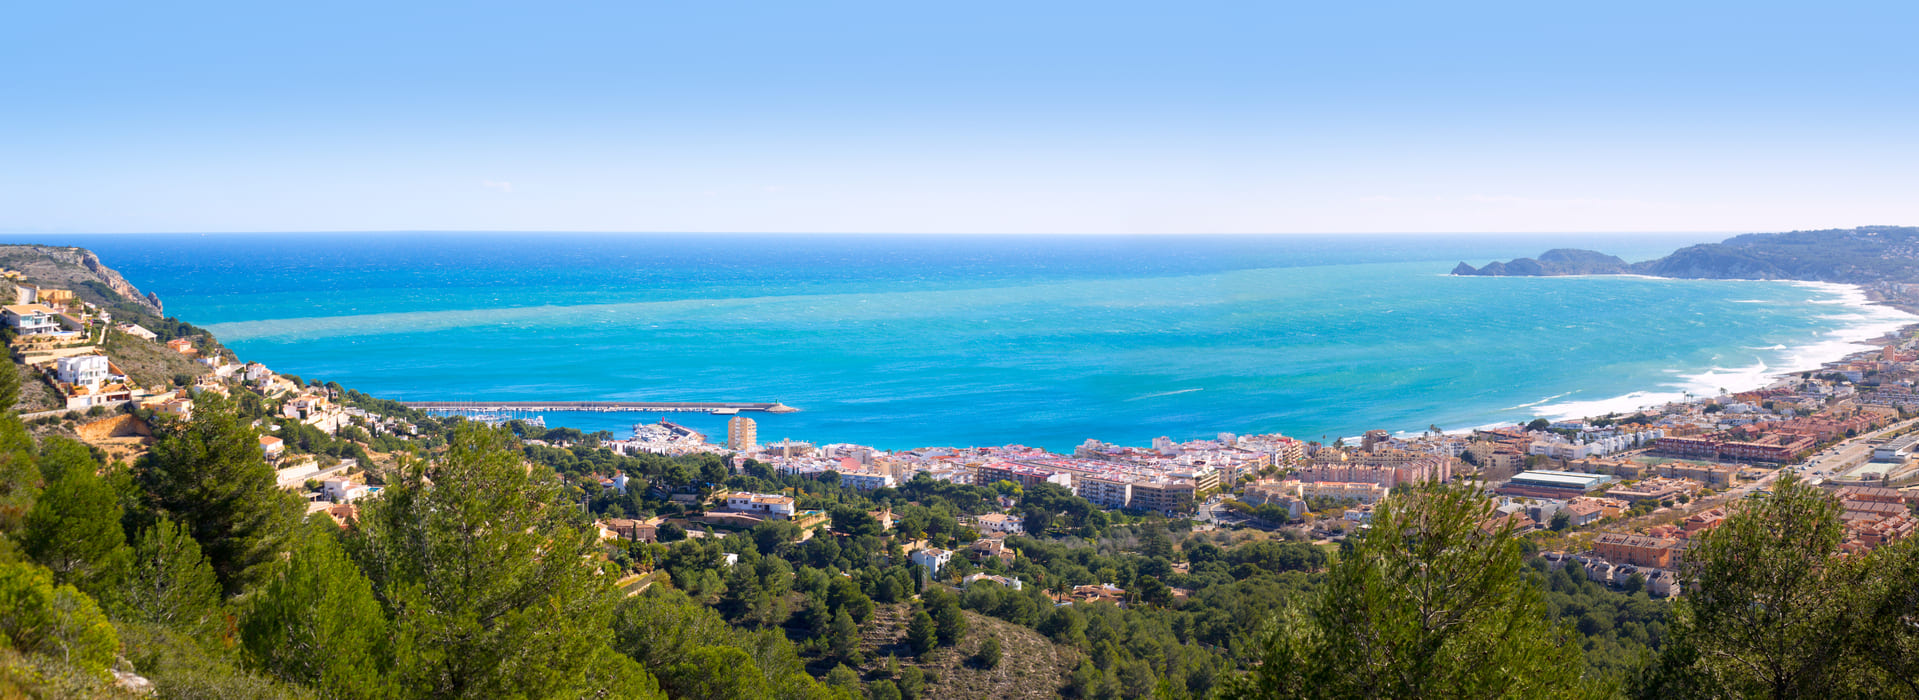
913 341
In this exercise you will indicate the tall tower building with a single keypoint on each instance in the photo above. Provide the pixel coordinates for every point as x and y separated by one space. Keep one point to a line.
742 434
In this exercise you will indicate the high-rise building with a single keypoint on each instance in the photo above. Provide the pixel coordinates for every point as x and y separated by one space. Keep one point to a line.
742 434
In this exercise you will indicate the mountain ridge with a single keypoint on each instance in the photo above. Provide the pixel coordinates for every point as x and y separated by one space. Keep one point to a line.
1861 255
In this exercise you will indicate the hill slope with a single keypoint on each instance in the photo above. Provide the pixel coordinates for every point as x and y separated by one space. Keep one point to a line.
1855 256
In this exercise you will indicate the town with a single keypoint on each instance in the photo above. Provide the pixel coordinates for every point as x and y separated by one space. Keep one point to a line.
995 536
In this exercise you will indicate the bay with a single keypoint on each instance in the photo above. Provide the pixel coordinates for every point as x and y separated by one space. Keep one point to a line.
907 341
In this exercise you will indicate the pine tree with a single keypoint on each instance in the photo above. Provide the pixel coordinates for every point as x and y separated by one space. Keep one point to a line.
843 678
988 656
843 642
39 616
20 479
74 527
952 622
1425 605
922 633
742 593
316 623
208 475
169 582
1770 611
493 587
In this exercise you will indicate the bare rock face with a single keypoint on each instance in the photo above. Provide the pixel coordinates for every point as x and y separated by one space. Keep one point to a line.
77 269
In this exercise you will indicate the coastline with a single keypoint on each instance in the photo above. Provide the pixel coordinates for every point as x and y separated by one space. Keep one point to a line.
1877 319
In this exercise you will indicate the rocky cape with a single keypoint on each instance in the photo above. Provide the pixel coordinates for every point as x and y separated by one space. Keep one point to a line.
80 270
1861 255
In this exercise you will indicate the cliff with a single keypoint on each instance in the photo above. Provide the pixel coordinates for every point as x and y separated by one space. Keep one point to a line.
79 270
1854 256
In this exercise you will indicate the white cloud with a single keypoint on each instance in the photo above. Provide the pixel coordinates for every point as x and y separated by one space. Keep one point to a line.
500 185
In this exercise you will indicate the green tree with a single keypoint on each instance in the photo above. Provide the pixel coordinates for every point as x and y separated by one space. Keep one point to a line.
208 475
843 642
20 478
1426 604
988 655
316 623
1769 610
912 682
946 612
843 678
922 634
74 529
883 690
1890 624
39 617
492 585
169 583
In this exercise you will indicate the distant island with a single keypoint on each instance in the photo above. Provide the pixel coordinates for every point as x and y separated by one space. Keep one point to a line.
1864 255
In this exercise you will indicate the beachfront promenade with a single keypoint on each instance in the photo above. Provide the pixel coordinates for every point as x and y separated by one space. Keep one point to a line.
720 407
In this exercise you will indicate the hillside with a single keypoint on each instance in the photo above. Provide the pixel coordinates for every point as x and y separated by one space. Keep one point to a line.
1558 261
1854 256
1031 666
78 269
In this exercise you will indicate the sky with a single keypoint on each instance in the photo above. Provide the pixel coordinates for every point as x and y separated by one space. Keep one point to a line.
991 117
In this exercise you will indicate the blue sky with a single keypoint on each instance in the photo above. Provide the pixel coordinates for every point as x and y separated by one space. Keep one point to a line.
1100 117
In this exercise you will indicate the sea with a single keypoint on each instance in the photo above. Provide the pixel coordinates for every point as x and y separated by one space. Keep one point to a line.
914 341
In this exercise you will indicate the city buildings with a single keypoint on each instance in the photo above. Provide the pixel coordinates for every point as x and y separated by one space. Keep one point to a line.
742 434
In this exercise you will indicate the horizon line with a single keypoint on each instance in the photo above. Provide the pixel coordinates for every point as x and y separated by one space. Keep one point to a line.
228 232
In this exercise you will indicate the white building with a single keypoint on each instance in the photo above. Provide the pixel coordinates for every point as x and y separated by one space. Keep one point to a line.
775 506
933 558
31 319
866 481
345 490
1001 522
135 330
83 370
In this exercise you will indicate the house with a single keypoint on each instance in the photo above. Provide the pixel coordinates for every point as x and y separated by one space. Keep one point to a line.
636 530
1104 592
1662 583
933 558
781 507
85 396
1580 513
1007 581
1638 550
345 490
272 447
87 370
991 548
135 330
1002 523
182 346
30 319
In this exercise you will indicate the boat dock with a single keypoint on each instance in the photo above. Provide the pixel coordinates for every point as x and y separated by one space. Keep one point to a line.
724 408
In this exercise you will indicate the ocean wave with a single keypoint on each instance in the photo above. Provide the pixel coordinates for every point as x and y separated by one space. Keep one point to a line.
1166 393
1541 401
1868 322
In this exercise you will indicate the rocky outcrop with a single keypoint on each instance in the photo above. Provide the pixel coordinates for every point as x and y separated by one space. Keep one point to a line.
1558 261
77 269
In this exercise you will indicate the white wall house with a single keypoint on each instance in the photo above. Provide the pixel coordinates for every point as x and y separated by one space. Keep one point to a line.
933 558
1001 522
776 506
30 319
85 370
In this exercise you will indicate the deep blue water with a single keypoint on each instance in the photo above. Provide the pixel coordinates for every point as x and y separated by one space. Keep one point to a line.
952 340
